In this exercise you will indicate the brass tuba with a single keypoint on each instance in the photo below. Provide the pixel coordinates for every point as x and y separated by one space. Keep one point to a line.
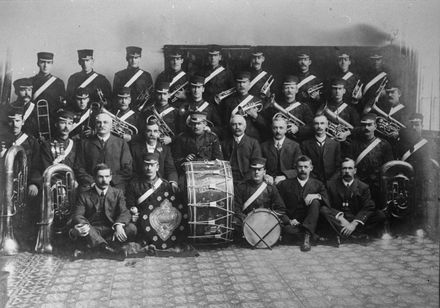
397 179
336 125
56 204
14 181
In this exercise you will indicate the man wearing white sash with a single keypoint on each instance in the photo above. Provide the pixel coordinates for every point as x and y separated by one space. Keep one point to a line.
161 217
175 76
373 80
392 104
308 87
352 80
217 77
254 193
132 77
87 78
124 111
259 77
370 153
83 123
24 89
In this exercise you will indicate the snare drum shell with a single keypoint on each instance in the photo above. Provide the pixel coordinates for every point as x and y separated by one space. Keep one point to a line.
262 226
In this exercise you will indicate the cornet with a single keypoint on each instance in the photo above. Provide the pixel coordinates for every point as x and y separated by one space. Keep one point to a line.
243 110
266 87
315 88
173 97
222 95
357 91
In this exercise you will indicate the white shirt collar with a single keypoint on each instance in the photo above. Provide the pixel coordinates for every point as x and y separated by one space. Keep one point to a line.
302 182
104 138
349 183
151 148
99 191
238 139
281 142
320 139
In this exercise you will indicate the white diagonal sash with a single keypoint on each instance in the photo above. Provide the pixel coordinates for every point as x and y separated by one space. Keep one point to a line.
133 78
347 76
293 106
341 108
21 139
127 115
306 80
373 81
397 108
166 111
44 86
417 146
257 78
202 106
62 157
28 111
214 73
82 119
242 103
255 195
367 150
88 80
177 77
148 193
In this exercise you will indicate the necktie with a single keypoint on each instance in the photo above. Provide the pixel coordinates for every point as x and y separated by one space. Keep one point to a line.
278 145
102 142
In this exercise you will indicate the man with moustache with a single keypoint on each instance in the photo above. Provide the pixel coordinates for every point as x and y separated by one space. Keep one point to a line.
101 220
303 197
324 152
83 126
175 76
259 77
88 79
392 105
307 87
125 113
240 149
134 78
351 210
150 143
281 154
104 148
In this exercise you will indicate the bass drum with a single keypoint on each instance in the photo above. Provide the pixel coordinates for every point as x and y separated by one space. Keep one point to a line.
262 228
210 192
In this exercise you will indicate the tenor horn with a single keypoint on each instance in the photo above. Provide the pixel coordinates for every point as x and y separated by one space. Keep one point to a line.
119 127
57 201
14 180
336 125
164 129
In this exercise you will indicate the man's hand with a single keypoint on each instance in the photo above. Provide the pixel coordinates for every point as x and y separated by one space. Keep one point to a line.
86 133
174 187
310 197
279 179
190 157
342 136
127 137
120 233
294 222
315 95
81 230
207 129
293 129
252 112
32 190
166 140
180 94
349 228
268 179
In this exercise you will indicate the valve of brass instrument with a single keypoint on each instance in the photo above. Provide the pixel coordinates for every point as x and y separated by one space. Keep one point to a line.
314 91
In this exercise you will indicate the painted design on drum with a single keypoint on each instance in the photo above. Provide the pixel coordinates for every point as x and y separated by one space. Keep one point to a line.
165 219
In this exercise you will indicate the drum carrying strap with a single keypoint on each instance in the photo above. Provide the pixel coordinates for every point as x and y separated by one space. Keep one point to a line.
306 80
44 86
347 75
214 73
133 78
21 139
148 193
28 111
373 81
257 78
242 104
66 153
255 195
417 146
88 80
367 150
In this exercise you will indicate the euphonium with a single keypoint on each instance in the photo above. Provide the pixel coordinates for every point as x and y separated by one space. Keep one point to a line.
164 129
14 181
56 204
386 124
43 119
336 125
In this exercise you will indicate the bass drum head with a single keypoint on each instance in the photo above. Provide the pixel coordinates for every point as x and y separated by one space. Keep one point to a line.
262 228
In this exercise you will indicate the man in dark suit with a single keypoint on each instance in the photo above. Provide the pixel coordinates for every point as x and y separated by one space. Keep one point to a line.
240 149
281 154
324 152
104 148
351 209
303 197
101 215
150 144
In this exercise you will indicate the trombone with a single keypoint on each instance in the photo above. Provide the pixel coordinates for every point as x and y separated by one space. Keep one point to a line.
43 119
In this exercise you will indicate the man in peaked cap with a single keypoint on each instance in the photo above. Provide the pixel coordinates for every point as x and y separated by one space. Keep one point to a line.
83 122
24 89
133 77
352 80
260 79
88 78
126 113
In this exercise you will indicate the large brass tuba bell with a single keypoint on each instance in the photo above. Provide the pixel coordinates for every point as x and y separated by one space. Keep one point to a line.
13 177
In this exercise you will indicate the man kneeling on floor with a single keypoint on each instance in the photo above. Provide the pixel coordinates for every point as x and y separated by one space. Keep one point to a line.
101 219
352 211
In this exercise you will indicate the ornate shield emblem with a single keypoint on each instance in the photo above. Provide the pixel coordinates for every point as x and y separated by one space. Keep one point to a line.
165 219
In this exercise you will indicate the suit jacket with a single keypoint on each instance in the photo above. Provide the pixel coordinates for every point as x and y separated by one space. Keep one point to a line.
289 153
167 169
247 149
360 205
115 153
114 206
293 194
328 167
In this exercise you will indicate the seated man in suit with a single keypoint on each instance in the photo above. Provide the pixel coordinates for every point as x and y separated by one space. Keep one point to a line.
281 154
351 208
240 149
303 197
101 216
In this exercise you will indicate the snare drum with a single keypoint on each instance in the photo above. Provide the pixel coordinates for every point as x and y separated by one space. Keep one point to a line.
210 195
262 228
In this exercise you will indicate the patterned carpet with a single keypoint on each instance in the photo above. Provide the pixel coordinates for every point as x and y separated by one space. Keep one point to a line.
402 272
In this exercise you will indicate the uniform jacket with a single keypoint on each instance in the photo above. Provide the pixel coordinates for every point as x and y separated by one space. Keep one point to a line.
223 81
256 89
167 76
47 156
212 115
100 82
142 83
303 95
349 114
288 155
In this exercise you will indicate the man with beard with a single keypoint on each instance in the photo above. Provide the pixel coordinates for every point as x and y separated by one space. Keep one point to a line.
324 152
83 126
259 77
303 197
240 149
309 85
100 218
104 148
125 113
150 143
134 78
281 154
175 76
351 209
87 78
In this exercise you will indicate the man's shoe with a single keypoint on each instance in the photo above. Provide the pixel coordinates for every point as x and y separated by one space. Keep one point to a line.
77 254
113 253
306 246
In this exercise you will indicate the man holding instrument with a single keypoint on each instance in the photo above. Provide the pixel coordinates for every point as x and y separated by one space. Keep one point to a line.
309 86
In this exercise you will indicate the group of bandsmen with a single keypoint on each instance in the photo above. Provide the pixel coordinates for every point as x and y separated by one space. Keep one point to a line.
127 144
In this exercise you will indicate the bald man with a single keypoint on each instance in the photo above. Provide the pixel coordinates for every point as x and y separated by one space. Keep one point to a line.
104 148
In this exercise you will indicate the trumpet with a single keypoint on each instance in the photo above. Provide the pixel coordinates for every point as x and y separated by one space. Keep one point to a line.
357 91
243 110
164 129
13 179
266 87
386 124
337 127
143 98
173 97
222 95
315 88
57 201
119 127
43 119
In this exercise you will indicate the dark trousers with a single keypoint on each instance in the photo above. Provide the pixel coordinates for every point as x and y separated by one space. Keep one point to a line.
307 216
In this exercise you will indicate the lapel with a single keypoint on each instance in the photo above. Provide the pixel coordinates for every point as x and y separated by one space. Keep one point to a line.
108 206
326 146
272 149
340 189
95 141
94 198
